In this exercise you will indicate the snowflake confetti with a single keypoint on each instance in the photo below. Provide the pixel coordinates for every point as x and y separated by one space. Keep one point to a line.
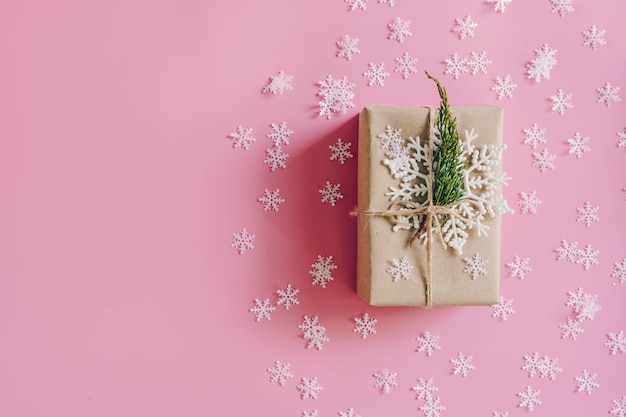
587 214
400 269
619 271
532 364
330 193
280 373
616 342
594 37
534 136
425 389
465 27
587 257
428 343
608 94
348 47
478 62
275 158
578 145
504 87
399 30
405 65
337 96
322 271
561 102
376 74
519 267
433 407
587 382
243 241
499 5
571 329
271 200
544 161
549 368
622 139
475 266
567 250
313 332
243 138
262 309
497 414
561 7
288 297
385 380
528 202
348 413
279 83
539 67
312 413
585 305
462 364
391 3
455 66
340 151
619 407
357 4
529 398
503 309
280 134
365 325
309 388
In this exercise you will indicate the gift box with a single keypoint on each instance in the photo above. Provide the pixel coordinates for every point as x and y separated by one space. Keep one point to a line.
401 260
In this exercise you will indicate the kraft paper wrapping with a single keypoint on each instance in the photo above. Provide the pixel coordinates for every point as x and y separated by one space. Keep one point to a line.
378 243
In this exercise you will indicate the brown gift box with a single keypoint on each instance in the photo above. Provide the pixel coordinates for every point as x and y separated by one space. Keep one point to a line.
378 243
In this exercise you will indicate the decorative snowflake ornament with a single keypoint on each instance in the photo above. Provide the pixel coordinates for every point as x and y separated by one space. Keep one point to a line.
561 102
309 388
348 47
322 271
478 62
499 5
275 158
504 87
279 83
503 309
340 151
376 74
365 325
271 200
619 407
288 297
399 30
578 145
400 269
608 94
391 3
455 66
280 373
528 202
534 136
433 407
385 380
594 37
529 398
262 309
568 251
348 413
280 134
464 27
242 137
619 271
243 241
405 65
587 214
544 161
616 342
587 257
540 66
425 389
313 332
622 139
330 193
337 96
561 7
519 267
475 266
587 382
312 413
428 343
462 364
357 4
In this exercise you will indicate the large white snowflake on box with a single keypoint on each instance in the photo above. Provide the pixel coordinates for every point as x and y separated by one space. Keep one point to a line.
365 325
348 47
376 74
322 271
337 96
279 83
400 30
539 67
400 269
475 266
385 380
465 27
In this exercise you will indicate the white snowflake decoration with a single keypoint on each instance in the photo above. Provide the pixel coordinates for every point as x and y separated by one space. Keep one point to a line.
405 65
280 373
529 398
312 413
376 74
561 7
340 151
578 145
534 136
561 102
462 364
322 271
271 200
400 269
549 368
478 62
584 304
365 325
532 364
497 414
464 27
544 161
313 332
608 94
622 139
587 257
337 96
475 266
594 37
309 388
262 309
428 343
385 380
539 67
243 241
587 382
391 3
619 271
348 413
357 4
280 134
279 83
504 87
288 297
400 30
433 407
348 47
616 342
587 214
275 158
528 202
330 193
503 309
455 66
619 407
243 138
519 267
571 329
568 251
425 389
499 5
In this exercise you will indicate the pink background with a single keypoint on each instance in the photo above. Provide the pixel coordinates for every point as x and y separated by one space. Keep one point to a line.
119 291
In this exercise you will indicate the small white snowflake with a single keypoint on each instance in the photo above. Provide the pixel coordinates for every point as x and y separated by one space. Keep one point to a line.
534 136
594 37
348 413
365 325
391 3
529 398
622 139
243 137
588 214
275 158
309 388
561 7
262 309
532 364
455 66
571 329
616 342
587 382
330 193
568 251
340 151
271 200
544 61
608 94
405 65
619 271
549 368
519 267
528 202
433 407
400 269
313 332
503 309
400 30
376 74
475 266
428 343
280 134
348 47
288 297
479 62
587 257
357 4
312 413
497 414
465 27
279 373
561 102
279 83
462 364
425 389
504 87
243 241
499 5
619 407
337 96
385 380
578 145
544 160
584 304
322 271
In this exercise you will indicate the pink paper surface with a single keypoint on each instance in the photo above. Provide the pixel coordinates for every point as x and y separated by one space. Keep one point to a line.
120 293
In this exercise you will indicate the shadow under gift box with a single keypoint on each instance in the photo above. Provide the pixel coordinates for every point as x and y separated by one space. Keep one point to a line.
378 244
